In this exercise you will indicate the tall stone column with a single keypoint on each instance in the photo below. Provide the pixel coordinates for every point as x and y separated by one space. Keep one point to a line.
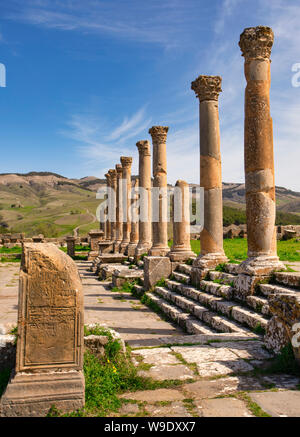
256 44
113 191
159 227
134 233
107 223
145 222
119 210
181 249
207 89
126 162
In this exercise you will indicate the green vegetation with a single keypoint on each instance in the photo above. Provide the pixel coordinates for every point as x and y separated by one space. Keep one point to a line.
284 362
15 249
236 249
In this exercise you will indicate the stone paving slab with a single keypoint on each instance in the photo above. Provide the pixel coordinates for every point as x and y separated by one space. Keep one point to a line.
9 287
227 407
175 409
279 404
152 396
150 356
165 372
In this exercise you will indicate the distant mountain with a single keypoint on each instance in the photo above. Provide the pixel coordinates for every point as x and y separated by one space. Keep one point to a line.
49 203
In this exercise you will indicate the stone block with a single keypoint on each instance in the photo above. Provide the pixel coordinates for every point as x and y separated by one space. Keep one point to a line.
49 355
155 268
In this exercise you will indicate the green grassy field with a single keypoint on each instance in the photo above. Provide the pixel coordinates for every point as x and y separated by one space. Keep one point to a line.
236 249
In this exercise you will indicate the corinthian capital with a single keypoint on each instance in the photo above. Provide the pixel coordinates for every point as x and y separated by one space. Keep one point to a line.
257 42
143 147
126 161
107 175
118 169
113 174
207 87
159 133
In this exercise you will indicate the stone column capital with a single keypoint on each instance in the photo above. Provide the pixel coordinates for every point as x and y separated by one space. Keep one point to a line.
207 87
143 147
159 133
256 42
126 161
107 175
119 169
113 174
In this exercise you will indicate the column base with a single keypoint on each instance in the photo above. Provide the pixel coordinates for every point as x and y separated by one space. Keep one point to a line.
131 249
181 255
261 265
142 249
32 395
123 247
210 260
159 251
116 248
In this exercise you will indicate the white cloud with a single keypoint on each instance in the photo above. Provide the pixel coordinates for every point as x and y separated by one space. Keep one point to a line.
101 144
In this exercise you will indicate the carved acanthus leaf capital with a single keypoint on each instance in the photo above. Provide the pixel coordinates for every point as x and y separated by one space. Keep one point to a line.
257 42
159 133
143 147
107 175
207 87
113 174
118 169
126 161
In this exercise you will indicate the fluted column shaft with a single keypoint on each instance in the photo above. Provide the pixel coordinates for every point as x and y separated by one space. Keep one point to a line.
134 232
160 227
207 89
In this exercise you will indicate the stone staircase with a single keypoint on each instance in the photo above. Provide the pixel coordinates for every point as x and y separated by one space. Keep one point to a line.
216 307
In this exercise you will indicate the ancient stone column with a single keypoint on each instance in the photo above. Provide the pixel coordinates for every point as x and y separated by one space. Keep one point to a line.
119 209
113 199
256 44
181 248
134 219
145 222
49 356
71 246
107 223
126 162
207 89
159 206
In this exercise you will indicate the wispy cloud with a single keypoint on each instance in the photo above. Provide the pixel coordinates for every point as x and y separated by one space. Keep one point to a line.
100 143
165 23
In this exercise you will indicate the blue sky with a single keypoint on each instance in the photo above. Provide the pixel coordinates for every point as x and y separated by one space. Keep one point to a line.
86 80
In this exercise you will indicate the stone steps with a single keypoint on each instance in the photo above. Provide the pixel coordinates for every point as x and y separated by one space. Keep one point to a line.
269 289
290 279
223 277
184 268
189 323
181 277
218 304
214 311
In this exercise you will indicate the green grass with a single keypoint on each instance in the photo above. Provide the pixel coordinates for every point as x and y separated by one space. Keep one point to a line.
236 249
5 259
15 249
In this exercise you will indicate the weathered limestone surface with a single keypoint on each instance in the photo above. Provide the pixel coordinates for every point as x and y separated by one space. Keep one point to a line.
207 89
256 44
159 206
284 326
134 218
181 249
113 186
126 188
145 222
107 223
155 268
50 335
95 237
71 246
119 209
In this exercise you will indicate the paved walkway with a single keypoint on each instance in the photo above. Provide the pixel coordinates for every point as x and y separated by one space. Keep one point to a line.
217 373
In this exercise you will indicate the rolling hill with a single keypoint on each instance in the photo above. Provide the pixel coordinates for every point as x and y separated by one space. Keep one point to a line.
51 204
